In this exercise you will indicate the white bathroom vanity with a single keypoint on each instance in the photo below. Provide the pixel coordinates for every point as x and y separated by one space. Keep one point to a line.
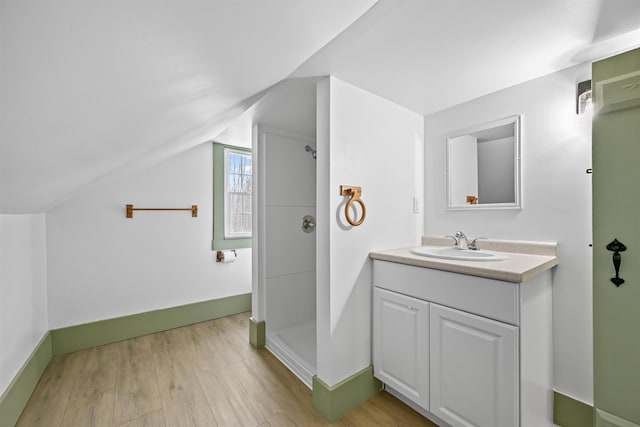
467 343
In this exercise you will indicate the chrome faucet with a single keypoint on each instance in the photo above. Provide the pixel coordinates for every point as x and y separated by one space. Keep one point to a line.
461 241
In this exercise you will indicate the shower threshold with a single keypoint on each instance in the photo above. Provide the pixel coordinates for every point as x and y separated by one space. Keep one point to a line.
295 347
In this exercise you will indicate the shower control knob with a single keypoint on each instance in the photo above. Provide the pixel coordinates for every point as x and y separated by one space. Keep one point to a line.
308 223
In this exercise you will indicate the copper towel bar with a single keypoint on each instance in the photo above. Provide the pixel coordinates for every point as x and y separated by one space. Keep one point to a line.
193 209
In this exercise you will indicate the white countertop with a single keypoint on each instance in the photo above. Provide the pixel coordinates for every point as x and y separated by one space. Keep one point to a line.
531 259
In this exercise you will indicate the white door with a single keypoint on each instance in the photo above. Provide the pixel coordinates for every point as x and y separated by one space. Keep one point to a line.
474 369
401 344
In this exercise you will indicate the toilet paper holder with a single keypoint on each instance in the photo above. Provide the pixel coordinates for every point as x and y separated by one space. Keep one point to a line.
220 255
355 193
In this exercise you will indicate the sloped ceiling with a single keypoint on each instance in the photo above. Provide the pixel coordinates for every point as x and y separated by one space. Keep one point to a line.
93 88
430 55
89 88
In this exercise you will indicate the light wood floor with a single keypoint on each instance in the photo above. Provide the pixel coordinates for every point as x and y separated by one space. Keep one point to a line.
200 375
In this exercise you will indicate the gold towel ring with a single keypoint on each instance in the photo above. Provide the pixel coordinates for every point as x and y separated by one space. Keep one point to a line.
355 193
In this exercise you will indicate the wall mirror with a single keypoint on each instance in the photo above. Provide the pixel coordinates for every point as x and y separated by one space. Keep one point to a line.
483 166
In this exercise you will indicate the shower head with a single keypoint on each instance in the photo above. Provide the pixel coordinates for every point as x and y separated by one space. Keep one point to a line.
313 152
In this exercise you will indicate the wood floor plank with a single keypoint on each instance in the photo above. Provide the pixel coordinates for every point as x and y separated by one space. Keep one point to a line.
98 370
230 402
280 404
90 410
137 391
384 409
183 400
91 401
49 400
241 321
152 419
228 340
238 324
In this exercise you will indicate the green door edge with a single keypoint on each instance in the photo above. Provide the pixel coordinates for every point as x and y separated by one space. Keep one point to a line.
615 344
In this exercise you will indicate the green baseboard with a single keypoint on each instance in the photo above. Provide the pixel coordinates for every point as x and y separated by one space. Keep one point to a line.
14 399
89 335
334 402
569 412
257 333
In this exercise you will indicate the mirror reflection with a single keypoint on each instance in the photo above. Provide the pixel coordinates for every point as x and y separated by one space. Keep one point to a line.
483 166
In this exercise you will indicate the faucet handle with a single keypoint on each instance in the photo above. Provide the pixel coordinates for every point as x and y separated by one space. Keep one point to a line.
456 240
473 245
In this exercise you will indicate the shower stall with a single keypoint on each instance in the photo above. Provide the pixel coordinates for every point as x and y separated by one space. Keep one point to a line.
287 247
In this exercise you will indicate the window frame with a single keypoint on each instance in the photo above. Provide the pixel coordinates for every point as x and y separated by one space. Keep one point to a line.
221 239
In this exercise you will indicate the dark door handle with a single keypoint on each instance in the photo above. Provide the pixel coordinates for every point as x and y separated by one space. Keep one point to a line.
616 247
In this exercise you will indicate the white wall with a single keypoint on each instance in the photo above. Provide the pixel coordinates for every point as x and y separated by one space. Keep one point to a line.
23 291
290 253
464 149
103 265
556 151
367 141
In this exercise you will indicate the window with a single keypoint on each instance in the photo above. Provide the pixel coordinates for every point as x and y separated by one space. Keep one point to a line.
237 177
232 185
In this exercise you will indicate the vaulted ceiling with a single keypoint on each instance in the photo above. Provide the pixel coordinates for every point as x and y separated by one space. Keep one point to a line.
430 55
90 88
94 88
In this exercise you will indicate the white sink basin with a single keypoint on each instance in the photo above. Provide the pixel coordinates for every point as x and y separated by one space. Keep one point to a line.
458 254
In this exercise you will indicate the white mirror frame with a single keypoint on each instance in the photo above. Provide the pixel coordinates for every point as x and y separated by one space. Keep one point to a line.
517 204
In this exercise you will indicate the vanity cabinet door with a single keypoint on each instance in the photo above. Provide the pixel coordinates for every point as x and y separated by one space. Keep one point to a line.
401 344
474 369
